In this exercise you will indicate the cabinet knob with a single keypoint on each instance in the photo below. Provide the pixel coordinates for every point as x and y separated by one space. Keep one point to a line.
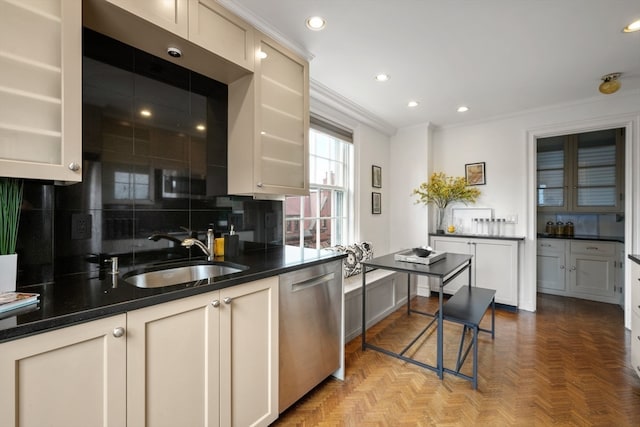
118 332
259 185
215 303
562 267
573 268
227 300
74 166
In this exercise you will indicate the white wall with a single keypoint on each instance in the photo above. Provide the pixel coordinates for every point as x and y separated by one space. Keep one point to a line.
410 165
372 148
505 144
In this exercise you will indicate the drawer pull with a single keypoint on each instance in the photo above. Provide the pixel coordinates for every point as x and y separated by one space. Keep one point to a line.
592 248
546 245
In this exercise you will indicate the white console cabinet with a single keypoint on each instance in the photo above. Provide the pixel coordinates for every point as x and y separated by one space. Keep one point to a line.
494 264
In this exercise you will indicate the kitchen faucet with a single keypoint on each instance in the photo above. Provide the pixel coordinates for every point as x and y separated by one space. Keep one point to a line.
190 241
208 249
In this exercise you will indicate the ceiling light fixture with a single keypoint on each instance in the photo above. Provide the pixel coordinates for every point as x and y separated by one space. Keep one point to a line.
610 83
145 113
382 77
413 104
201 127
463 109
316 23
633 27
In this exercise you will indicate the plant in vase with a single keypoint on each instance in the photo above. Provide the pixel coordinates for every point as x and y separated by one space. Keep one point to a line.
10 204
442 190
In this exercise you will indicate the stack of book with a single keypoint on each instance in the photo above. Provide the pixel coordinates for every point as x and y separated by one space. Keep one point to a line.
13 300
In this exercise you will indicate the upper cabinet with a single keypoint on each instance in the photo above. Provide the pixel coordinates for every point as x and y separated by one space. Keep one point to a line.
268 124
170 15
216 29
582 172
202 22
40 93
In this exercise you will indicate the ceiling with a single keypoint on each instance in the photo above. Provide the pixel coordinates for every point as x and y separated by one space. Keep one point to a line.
498 57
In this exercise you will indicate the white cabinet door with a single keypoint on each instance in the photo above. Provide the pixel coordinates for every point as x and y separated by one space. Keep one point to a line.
269 125
496 267
72 377
171 15
551 266
41 89
458 246
591 268
172 363
249 353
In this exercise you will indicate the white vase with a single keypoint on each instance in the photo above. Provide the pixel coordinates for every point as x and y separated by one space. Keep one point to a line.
8 272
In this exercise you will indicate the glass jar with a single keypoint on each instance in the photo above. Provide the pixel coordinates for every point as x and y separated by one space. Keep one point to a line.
569 229
560 229
550 229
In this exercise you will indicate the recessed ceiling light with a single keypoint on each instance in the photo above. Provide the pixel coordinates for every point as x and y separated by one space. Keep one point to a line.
201 127
261 54
463 109
145 113
382 77
316 23
413 104
634 26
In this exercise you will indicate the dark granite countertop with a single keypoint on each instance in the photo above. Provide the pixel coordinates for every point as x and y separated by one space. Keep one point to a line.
619 239
635 258
476 236
83 297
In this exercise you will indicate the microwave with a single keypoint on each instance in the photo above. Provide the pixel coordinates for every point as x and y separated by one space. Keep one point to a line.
176 185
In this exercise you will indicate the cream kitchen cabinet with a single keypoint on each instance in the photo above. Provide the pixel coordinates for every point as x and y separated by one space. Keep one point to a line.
40 89
494 264
635 315
207 360
72 377
171 15
586 270
203 22
268 124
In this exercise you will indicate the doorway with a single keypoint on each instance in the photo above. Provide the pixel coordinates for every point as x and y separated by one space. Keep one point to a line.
580 215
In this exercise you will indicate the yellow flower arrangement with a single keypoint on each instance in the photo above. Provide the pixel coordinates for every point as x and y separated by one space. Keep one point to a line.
441 190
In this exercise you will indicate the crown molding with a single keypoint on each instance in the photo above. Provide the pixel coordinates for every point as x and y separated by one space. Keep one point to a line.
321 93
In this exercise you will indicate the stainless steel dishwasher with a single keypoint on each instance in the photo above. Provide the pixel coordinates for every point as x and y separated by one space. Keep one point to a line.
310 329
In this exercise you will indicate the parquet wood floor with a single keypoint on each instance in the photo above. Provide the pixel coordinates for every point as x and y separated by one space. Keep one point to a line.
566 365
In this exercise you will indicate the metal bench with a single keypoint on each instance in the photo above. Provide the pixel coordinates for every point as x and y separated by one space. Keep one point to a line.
467 307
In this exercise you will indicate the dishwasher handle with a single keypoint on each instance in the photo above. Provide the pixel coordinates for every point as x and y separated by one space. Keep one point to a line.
314 281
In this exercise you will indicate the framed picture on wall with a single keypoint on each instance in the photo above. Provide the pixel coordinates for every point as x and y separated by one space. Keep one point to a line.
376 176
475 173
376 203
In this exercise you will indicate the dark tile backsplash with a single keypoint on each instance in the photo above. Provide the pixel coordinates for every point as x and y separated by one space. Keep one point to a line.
164 172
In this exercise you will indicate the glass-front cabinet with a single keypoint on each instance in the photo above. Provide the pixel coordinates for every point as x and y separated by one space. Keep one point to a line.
40 89
581 172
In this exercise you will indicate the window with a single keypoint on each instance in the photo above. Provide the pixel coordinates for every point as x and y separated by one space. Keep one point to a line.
321 219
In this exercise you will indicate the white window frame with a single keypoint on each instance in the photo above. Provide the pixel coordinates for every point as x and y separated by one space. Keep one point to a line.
347 218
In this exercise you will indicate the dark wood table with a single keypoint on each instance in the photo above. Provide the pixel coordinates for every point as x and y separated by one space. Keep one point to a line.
443 270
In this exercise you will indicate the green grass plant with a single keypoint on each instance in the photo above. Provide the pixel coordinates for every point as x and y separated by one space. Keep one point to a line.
10 204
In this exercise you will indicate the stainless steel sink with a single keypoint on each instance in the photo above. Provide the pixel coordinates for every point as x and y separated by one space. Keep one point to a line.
174 275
